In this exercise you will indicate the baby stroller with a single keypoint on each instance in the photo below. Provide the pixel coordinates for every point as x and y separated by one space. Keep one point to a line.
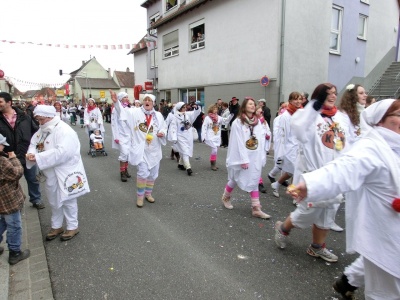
96 143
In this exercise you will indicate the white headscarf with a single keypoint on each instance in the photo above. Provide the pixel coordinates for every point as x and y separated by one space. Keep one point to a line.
178 106
374 113
47 111
121 95
151 96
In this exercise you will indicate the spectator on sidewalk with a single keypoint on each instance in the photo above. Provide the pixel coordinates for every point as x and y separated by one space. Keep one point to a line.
18 128
11 202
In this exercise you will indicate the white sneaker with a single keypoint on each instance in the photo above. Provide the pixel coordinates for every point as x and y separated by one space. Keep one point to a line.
280 238
336 227
275 189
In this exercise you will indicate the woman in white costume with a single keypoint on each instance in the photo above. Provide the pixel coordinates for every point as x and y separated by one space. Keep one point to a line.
319 131
369 174
55 148
121 136
246 157
147 132
288 142
180 133
267 130
92 117
211 132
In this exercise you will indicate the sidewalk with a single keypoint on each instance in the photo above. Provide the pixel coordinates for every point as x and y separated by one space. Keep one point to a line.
28 279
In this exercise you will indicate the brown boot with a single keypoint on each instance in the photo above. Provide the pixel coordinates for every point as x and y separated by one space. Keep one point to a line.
53 233
124 178
139 201
226 200
213 165
69 234
149 198
258 213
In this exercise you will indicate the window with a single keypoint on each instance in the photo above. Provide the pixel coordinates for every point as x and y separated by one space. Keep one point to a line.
171 44
336 29
362 27
153 58
197 35
170 4
154 19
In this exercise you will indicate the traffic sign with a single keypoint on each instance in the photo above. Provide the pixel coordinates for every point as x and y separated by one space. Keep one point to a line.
102 94
264 80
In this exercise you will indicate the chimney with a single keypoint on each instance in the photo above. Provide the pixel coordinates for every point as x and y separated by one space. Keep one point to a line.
127 69
109 73
83 62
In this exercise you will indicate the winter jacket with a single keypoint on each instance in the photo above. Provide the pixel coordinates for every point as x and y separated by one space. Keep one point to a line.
11 195
19 138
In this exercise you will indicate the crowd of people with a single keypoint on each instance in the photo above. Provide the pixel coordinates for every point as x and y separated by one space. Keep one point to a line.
330 151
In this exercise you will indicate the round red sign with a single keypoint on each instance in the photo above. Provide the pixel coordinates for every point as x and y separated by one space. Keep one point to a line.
1 74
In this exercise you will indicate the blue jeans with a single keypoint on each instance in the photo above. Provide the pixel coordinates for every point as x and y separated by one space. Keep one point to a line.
12 223
33 185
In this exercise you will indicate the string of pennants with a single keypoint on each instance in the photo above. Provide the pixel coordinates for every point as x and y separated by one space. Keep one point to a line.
86 46
13 80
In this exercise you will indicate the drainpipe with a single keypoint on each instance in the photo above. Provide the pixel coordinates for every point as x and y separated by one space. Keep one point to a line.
282 49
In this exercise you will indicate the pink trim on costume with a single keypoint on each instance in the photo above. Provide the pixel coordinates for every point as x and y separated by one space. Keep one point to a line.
122 169
213 157
260 181
228 188
254 194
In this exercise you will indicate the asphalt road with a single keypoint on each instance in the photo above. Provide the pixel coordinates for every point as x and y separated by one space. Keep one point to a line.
185 245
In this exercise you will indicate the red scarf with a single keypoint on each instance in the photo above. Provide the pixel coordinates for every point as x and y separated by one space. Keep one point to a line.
213 117
328 112
292 109
90 108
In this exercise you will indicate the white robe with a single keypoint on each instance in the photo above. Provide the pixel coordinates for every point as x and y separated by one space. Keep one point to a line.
369 175
61 161
278 136
120 131
238 154
211 132
139 149
179 135
93 120
288 142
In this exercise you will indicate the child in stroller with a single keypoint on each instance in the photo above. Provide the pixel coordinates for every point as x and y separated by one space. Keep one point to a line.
96 143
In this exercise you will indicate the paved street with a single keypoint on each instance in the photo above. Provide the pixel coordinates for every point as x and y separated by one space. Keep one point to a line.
185 245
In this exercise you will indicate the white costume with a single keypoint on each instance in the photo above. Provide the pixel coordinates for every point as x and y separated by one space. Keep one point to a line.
121 133
181 131
245 150
142 150
93 120
57 151
96 138
211 132
353 132
321 140
369 175
288 142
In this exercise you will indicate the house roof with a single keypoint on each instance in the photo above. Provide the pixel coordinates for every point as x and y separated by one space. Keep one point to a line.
97 83
148 3
73 73
125 79
141 45
183 8
30 93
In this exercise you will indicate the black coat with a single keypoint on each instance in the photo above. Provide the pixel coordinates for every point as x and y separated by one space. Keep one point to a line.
18 138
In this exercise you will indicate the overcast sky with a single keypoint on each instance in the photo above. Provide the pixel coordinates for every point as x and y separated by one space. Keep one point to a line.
74 22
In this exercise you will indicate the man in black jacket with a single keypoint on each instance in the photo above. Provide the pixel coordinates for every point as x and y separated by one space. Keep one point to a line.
18 128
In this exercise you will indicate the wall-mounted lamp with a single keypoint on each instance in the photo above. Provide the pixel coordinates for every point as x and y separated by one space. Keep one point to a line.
147 39
357 59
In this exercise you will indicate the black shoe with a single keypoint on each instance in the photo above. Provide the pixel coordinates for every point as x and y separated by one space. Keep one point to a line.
181 167
285 183
1 250
344 288
261 188
123 177
272 179
189 171
127 174
38 205
16 257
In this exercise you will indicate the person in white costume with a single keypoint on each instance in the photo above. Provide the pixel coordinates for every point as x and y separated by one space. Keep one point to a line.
211 132
180 133
92 117
351 106
246 157
288 142
369 174
168 120
147 131
267 130
321 138
121 136
55 148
